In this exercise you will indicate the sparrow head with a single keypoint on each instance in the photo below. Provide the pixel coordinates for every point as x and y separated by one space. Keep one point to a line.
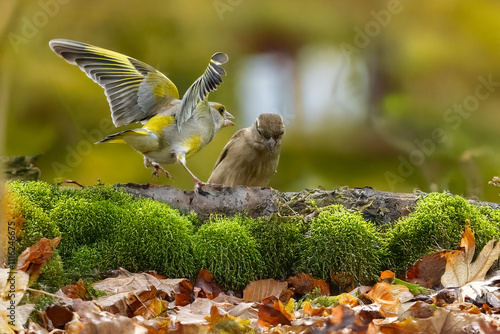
270 128
220 114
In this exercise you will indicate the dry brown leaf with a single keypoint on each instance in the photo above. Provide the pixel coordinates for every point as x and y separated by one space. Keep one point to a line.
345 320
428 270
257 291
205 285
419 310
137 283
304 283
75 291
272 313
104 322
33 258
148 303
183 297
59 315
459 267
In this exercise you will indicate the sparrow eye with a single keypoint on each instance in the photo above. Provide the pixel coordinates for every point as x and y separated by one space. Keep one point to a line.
221 110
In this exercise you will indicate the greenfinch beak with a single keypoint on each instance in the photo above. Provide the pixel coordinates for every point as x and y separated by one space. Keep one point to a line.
227 122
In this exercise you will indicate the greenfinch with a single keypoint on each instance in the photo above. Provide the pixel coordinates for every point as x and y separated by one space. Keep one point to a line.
173 128
251 156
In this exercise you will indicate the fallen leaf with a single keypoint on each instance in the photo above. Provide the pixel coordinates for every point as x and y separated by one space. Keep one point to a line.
104 322
149 303
158 325
139 282
314 312
446 296
33 258
215 317
387 275
388 297
272 313
13 285
59 315
428 270
459 267
183 297
302 284
348 300
257 291
75 291
345 320
419 310
205 285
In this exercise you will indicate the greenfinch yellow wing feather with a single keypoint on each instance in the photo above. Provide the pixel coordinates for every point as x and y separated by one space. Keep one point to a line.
135 90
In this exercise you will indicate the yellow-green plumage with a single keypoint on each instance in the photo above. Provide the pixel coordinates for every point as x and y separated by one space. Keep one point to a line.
173 128
192 145
157 123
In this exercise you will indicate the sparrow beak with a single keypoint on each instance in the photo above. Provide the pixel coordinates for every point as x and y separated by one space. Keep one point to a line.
271 144
227 122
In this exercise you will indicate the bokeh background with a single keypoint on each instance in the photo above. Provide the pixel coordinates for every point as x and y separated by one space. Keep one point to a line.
396 95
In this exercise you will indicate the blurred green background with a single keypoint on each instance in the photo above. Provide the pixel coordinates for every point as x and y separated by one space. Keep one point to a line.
396 95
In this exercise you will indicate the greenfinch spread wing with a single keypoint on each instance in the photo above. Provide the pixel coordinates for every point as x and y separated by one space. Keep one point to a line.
135 90
199 90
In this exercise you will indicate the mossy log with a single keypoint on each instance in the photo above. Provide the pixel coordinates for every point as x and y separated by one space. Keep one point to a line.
249 233
379 207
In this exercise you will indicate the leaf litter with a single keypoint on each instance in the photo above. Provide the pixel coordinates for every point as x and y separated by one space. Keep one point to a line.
444 292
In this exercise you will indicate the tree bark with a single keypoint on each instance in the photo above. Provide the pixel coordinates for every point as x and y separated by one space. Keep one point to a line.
379 207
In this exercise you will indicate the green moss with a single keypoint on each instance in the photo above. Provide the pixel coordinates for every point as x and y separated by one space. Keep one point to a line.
226 248
437 223
491 214
92 292
89 262
279 240
52 276
99 193
37 224
342 242
102 228
83 222
41 303
154 237
39 194
325 301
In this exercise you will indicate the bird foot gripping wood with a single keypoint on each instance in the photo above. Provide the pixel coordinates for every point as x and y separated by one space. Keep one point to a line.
198 183
159 169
